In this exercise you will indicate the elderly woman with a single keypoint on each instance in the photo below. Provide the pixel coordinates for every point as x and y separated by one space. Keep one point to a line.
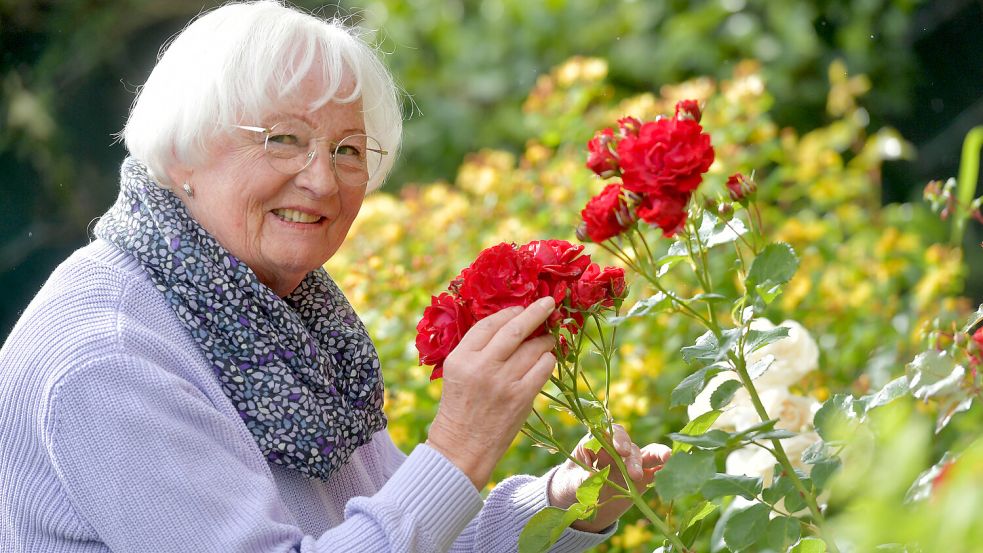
192 380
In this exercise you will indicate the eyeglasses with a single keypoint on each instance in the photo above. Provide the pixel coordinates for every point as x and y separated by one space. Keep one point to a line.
291 147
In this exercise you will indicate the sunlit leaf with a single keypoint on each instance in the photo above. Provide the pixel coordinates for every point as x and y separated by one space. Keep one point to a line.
684 474
695 427
687 390
722 485
590 488
746 526
724 393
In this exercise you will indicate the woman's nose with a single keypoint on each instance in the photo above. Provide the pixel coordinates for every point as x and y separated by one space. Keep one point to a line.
319 177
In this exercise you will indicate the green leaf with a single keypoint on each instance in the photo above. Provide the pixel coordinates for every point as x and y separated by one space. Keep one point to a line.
922 488
816 452
703 512
809 545
722 485
543 529
707 350
724 393
653 304
823 471
745 527
780 487
974 319
759 367
695 427
933 373
890 392
714 232
782 533
687 390
835 419
757 339
713 439
768 291
590 488
776 264
775 434
592 445
684 474
794 500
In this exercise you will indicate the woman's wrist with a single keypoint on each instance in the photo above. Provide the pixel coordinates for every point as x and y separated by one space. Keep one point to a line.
474 465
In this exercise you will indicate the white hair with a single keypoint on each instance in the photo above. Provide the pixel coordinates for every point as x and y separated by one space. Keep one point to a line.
233 64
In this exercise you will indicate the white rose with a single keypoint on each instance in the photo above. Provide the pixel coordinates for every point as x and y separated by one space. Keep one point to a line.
793 412
795 355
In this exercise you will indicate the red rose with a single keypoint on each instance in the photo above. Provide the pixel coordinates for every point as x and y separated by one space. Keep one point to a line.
667 211
440 330
666 155
606 214
688 109
558 258
500 277
601 157
598 286
740 187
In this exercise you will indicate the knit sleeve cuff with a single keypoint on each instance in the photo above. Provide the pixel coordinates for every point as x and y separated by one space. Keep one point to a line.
532 497
435 494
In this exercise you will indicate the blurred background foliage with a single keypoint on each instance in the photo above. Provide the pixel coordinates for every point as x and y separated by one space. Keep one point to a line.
68 70
843 108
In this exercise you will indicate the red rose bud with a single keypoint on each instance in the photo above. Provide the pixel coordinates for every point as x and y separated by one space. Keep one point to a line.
601 157
440 330
740 187
667 156
689 109
629 126
725 212
606 215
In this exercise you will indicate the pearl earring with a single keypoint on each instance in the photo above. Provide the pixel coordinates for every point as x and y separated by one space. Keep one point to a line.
188 190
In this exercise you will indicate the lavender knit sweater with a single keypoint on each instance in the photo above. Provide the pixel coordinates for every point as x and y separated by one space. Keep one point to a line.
115 435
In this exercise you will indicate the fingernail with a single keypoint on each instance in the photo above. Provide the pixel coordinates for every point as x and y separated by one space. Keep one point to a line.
546 302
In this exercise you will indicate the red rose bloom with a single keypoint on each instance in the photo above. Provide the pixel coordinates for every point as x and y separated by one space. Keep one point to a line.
688 109
666 155
667 211
500 277
440 330
598 286
601 157
606 214
559 259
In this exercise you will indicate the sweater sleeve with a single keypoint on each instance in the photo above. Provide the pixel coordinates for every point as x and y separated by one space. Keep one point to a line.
148 463
506 511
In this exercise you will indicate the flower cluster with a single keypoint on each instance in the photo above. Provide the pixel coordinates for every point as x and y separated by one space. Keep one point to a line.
507 275
661 163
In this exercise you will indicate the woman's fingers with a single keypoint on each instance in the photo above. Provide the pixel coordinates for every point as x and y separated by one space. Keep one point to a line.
654 456
511 335
478 336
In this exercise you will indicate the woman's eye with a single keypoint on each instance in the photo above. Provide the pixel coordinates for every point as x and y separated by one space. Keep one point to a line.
284 139
348 151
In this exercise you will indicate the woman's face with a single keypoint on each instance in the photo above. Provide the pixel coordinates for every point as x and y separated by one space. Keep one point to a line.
282 226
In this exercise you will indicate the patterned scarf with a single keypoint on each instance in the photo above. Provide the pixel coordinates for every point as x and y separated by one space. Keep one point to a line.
301 370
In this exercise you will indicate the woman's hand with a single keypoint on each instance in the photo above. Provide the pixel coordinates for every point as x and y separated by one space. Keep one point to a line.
642 464
490 381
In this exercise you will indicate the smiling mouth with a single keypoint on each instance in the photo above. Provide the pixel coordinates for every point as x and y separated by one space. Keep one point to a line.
294 216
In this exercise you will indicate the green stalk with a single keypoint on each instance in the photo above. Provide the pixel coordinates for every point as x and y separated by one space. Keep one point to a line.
779 451
969 171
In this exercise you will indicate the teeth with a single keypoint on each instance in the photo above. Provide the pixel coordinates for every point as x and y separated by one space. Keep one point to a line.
295 216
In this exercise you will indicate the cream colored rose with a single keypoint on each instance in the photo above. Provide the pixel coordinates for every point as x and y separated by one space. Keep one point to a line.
795 355
754 461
